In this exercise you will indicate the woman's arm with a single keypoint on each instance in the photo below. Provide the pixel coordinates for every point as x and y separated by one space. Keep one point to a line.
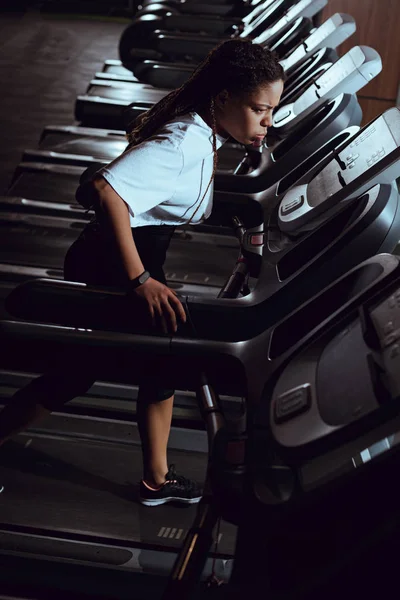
116 214
161 300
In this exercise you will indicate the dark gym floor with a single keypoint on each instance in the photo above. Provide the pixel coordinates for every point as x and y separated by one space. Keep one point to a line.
45 62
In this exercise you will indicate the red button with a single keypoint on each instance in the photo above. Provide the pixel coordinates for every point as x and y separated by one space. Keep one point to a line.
257 239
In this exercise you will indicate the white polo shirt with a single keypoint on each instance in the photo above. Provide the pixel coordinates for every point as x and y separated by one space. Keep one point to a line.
163 179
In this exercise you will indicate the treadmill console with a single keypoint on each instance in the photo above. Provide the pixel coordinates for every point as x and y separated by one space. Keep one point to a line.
259 8
309 404
330 34
346 76
371 156
304 8
265 19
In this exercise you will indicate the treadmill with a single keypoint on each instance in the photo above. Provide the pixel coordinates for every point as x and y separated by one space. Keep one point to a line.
234 324
166 46
347 206
97 144
322 438
51 236
221 9
172 76
333 32
238 169
222 200
348 74
90 108
222 331
137 34
82 529
356 68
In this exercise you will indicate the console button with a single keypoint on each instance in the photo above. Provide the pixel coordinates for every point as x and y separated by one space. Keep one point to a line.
289 207
292 403
282 117
257 239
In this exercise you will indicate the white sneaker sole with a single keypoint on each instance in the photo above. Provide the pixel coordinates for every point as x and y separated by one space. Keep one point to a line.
158 501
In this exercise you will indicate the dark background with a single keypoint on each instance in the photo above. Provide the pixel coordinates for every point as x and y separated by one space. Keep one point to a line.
46 60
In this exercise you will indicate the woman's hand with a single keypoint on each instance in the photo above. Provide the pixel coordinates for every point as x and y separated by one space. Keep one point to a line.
162 303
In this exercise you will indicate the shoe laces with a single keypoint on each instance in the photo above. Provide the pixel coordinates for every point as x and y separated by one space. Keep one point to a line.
173 478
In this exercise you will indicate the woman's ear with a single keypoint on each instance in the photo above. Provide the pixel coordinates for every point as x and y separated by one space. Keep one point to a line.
221 99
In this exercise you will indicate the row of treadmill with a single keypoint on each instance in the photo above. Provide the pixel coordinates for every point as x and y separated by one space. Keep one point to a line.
312 346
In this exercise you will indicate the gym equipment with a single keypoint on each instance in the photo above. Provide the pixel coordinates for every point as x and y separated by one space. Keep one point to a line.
139 33
174 74
222 9
164 46
333 32
349 74
220 344
50 237
363 157
359 221
238 169
319 442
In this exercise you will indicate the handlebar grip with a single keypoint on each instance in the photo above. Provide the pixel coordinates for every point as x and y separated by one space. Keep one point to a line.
234 284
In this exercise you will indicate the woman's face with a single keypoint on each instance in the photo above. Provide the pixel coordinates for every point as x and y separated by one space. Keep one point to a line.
246 117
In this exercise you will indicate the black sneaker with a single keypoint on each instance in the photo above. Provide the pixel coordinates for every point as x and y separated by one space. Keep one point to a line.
176 489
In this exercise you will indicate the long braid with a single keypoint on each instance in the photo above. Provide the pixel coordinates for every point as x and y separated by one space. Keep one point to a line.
178 102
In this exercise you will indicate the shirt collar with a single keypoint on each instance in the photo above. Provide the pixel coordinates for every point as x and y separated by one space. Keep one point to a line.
198 119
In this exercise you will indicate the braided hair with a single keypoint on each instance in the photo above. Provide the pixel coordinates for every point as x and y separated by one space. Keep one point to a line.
237 66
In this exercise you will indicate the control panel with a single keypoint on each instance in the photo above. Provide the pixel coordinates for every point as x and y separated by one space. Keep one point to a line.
264 17
371 156
346 76
332 33
304 8
310 403
259 8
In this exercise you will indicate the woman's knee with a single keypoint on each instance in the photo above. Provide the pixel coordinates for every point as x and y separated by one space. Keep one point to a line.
54 390
153 393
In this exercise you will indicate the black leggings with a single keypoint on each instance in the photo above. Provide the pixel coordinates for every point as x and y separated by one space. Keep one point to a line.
93 259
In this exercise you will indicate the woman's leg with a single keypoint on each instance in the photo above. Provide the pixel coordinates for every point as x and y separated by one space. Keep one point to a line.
75 374
154 404
42 396
154 423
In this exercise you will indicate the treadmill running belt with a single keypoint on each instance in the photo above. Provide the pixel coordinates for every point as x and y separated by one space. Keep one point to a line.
85 145
52 182
47 185
106 149
115 69
189 259
128 93
90 488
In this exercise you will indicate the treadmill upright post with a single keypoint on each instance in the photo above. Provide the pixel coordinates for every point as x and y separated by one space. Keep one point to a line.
191 559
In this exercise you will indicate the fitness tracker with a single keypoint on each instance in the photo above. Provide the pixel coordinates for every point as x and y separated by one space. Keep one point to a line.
134 283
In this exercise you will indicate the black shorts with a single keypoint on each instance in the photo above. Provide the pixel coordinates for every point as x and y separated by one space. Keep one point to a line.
93 259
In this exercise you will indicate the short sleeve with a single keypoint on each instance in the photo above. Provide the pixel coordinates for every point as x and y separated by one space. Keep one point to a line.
145 175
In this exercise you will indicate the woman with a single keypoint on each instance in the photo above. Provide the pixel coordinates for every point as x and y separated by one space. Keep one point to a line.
162 180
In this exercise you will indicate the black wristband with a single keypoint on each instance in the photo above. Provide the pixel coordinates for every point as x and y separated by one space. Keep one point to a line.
135 283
